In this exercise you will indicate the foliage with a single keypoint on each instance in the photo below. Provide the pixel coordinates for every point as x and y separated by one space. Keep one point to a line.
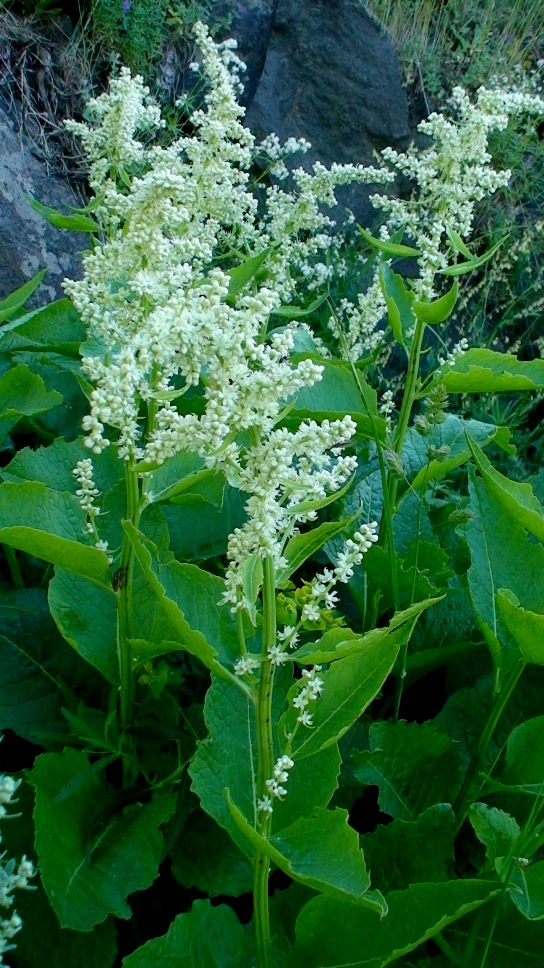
267 637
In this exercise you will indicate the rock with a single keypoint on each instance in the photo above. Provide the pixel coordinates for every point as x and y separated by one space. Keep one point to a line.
250 23
27 242
332 76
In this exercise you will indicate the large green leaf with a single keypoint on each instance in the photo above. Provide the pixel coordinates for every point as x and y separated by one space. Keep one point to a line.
485 371
49 524
337 394
439 309
502 556
524 762
524 627
53 466
399 301
449 434
517 499
41 930
349 685
321 851
407 852
23 394
413 765
205 857
337 643
86 882
508 939
228 760
205 937
197 529
334 934
86 614
527 890
187 609
38 669
495 829
55 328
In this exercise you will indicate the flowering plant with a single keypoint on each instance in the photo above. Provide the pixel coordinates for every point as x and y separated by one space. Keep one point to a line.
246 542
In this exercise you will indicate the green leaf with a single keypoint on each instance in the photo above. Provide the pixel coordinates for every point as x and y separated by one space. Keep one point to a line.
507 940
517 499
321 851
17 299
187 608
36 668
174 476
84 890
451 434
334 934
438 310
525 754
228 760
297 312
350 684
524 627
205 857
527 890
337 643
337 394
86 615
408 852
399 301
495 829
413 765
49 524
55 328
486 371
205 937
53 466
393 249
502 556
461 268
23 394
252 580
244 273
42 932
74 223
199 531
459 245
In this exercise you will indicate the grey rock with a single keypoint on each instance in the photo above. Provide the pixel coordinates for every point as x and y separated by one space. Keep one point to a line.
27 242
250 23
332 76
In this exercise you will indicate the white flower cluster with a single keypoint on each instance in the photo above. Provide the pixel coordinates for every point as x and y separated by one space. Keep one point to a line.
387 407
86 493
459 349
275 153
450 177
13 876
311 690
321 588
274 785
284 473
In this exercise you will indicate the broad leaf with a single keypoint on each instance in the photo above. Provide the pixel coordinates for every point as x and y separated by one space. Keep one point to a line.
55 328
413 765
85 882
321 851
349 685
86 614
333 933
495 829
205 937
205 857
524 627
17 299
23 394
517 499
507 940
407 852
525 753
439 309
53 466
527 890
451 435
486 371
49 524
337 394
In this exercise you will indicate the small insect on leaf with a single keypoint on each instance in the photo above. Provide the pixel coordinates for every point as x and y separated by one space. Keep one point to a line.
119 579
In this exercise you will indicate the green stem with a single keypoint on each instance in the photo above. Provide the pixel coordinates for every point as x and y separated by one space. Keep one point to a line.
265 753
13 565
462 803
125 630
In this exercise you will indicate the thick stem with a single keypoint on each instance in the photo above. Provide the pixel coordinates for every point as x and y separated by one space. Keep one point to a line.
265 752
462 803
125 629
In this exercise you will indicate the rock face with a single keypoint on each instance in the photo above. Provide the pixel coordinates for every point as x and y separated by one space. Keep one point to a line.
250 22
27 242
332 76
